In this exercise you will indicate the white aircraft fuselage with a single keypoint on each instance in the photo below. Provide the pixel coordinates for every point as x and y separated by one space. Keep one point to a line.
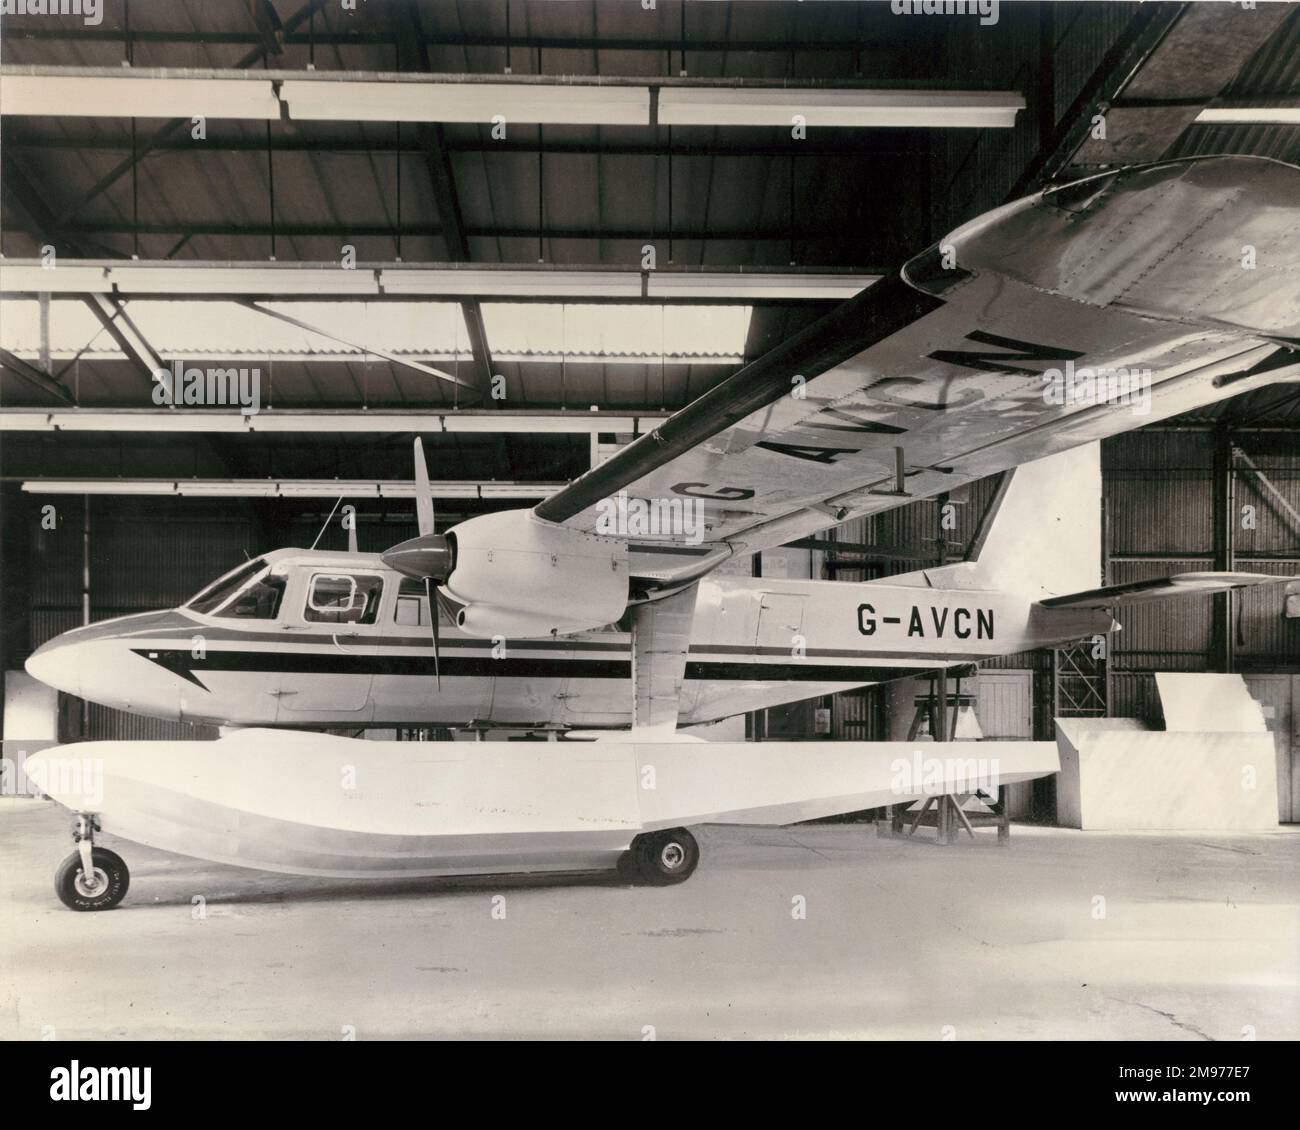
288 641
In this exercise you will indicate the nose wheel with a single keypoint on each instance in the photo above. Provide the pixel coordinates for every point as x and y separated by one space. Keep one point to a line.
91 878
661 858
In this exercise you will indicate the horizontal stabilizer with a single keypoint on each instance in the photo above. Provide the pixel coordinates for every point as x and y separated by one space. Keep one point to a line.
1181 584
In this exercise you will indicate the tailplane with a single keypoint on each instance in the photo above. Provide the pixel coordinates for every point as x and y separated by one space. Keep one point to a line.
1180 584
1041 537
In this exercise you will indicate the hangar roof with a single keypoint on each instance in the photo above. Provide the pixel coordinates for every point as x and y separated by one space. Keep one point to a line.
563 196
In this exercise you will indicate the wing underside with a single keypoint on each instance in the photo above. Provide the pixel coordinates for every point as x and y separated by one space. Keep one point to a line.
1056 321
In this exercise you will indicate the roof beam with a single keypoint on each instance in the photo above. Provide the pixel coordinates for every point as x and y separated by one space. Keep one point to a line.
373 282
270 32
393 358
111 313
108 309
286 488
389 231
523 43
1184 74
176 125
324 421
1149 25
897 143
35 377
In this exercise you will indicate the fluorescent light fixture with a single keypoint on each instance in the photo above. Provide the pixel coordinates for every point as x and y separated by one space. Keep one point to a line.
285 488
97 486
235 94
779 106
512 283
321 421
720 284
290 278
137 94
434 101
1237 115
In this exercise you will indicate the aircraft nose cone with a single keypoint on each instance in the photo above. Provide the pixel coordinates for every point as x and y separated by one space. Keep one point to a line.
56 664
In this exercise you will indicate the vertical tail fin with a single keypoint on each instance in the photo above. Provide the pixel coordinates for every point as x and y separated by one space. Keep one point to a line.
1042 535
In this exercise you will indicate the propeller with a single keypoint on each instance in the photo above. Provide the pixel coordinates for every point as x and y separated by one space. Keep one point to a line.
428 557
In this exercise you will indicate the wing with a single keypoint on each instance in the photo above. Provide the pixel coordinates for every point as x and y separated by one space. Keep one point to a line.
1060 319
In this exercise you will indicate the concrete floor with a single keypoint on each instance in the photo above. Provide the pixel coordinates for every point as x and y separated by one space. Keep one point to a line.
1200 939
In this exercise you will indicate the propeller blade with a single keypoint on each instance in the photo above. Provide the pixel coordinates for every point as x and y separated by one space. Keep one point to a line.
423 492
352 534
433 624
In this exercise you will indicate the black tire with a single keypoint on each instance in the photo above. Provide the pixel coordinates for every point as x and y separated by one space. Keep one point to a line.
114 879
665 857
626 867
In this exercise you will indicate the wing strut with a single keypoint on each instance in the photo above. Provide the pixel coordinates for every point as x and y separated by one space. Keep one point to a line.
661 638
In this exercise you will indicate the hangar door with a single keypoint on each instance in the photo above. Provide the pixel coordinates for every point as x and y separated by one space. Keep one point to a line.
1279 696
1004 705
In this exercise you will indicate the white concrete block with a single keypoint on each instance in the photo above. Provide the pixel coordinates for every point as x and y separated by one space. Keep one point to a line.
1124 777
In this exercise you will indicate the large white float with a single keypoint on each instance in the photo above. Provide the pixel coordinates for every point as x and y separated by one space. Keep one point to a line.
313 804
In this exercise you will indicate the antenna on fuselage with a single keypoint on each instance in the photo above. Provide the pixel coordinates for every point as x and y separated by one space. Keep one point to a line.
326 526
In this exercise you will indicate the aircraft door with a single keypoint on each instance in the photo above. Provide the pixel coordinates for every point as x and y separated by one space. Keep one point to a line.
780 623
330 677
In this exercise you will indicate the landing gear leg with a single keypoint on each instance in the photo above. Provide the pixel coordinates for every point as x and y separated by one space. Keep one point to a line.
90 878
83 835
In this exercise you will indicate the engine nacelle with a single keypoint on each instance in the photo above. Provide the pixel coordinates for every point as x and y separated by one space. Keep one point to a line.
519 576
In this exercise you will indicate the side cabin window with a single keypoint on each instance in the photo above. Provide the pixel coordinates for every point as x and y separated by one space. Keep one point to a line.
412 609
343 598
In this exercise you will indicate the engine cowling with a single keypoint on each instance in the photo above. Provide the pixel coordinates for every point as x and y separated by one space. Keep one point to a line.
518 576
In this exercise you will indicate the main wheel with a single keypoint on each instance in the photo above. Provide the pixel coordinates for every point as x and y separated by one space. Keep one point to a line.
102 891
665 857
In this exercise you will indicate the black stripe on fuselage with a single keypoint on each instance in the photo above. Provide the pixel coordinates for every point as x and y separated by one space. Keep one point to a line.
185 664
621 646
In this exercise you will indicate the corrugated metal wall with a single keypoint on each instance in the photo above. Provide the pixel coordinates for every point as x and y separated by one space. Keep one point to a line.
1081 36
136 562
1273 73
973 173
1159 492
1160 503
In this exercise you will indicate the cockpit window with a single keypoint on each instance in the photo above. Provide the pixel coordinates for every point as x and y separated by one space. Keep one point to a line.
216 594
343 598
260 600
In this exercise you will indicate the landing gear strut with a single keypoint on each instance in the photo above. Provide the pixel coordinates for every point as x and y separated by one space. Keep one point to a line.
661 858
91 878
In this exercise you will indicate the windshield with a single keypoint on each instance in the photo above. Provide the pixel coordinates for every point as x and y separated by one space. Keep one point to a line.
217 593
